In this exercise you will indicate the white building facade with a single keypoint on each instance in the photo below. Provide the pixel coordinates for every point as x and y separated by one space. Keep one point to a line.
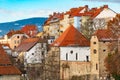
75 53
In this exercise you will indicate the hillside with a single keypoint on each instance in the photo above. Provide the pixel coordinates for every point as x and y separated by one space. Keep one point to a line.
16 25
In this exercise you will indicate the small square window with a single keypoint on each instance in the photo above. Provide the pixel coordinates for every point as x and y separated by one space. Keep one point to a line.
94 42
104 41
104 50
32 53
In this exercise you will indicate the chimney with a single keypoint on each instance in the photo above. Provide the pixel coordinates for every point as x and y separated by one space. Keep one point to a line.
105 6
86 6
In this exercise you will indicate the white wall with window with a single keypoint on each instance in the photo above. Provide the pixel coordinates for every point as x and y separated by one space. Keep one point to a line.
75 53
36 54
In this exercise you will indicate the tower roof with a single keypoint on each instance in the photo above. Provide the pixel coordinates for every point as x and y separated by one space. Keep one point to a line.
103 34
71 37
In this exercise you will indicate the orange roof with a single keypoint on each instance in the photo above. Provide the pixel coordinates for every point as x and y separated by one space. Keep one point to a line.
4 59
9 70
6 67
103 34
55 15
95 11
12 32
76 11
71 37
28 28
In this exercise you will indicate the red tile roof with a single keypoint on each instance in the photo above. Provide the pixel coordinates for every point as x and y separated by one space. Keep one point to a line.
27 44
76 11
6 67
103 34
12 32
4 58
30 30
95 11
9 70
71 37
55 15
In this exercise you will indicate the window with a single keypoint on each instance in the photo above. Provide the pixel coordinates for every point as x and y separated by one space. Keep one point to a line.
41 45
61 31
71 51
17 36
104 50
96 66
15 41
87 58
95 51
94 42
18 41
32 53
103 41
66 56
42 53
51 41
14 46
76 56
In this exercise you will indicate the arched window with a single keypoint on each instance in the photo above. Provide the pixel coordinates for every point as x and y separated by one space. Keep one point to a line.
66 56
96 66
76 56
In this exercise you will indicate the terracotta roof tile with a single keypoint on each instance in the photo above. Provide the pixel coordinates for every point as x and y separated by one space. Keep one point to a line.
27 44
12 32
71 37
103 34
4 59
6 67
28 28
76 11
9 70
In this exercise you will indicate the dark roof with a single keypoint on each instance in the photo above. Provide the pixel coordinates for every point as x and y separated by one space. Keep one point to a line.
103 34
27 44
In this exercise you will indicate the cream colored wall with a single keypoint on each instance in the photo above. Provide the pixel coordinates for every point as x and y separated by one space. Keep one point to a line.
46 30
10 77
54 29
4 40
102 55
14 41
99 57
94 57
66 22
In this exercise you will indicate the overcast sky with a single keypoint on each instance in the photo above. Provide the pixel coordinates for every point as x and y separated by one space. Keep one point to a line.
11 10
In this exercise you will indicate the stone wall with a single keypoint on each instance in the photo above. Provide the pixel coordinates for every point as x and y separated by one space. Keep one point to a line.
73 69
10 77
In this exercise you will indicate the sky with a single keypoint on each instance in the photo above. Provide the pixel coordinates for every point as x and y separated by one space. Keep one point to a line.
12 10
